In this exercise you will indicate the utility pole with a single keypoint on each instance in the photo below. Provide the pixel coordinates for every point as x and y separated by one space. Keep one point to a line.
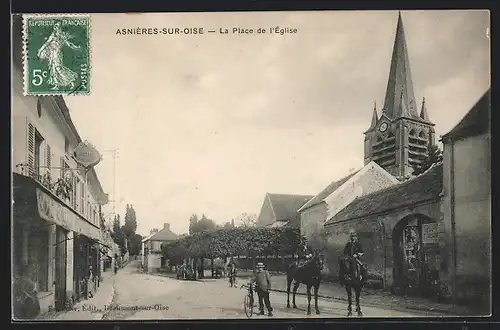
114 153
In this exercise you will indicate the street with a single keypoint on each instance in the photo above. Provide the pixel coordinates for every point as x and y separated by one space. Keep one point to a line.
142 296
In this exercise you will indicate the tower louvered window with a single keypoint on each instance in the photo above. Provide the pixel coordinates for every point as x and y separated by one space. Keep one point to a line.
384 150
417 147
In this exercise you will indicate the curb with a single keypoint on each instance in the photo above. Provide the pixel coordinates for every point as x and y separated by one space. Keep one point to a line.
110 299
400 308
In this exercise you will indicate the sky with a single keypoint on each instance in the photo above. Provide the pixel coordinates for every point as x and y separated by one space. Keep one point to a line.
207 124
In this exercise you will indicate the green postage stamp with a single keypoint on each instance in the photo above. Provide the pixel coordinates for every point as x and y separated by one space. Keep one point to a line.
56 49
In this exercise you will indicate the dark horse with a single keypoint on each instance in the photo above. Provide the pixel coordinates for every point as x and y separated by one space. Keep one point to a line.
308 274
352 275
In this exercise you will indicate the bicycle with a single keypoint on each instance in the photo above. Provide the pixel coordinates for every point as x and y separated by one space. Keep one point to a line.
248 302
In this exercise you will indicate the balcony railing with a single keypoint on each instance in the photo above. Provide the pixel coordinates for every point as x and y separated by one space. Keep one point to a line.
62 187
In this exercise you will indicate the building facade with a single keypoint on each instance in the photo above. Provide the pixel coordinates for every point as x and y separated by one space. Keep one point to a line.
390 223
153 259
466 261
57 219
341 193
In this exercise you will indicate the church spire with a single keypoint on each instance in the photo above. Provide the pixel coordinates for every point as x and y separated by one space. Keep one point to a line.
374 116
399 97
423 111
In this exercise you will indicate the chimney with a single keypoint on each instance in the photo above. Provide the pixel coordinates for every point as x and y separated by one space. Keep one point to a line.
166 226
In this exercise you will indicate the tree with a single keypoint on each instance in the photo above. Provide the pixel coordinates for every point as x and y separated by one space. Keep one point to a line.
130 225
118 235
193 220
434 156
251 242
135 244
247 219
204 224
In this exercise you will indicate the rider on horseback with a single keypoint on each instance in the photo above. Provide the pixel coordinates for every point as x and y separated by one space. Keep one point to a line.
353 271
353 248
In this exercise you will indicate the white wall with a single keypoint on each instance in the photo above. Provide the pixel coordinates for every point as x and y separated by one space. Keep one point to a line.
53 131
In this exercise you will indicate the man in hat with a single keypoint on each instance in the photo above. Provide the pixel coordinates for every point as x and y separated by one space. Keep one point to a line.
262 279
353 248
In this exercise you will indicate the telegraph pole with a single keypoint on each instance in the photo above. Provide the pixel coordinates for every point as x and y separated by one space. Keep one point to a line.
114 153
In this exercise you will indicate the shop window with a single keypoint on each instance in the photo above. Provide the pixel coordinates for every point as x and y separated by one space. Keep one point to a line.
38 256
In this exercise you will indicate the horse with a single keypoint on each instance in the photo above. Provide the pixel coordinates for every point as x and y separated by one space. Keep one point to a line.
352 275
308 274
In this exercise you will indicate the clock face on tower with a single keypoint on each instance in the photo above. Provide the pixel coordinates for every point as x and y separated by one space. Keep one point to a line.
383 127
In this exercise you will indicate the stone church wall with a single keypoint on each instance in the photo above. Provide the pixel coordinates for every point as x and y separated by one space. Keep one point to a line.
375 234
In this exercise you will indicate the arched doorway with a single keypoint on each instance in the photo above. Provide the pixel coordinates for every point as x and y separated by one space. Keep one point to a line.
416 254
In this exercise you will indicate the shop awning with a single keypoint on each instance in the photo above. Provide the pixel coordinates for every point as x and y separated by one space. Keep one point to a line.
34 199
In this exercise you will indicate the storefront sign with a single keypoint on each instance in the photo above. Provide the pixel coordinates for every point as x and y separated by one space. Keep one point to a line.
430 233
86 154
53 211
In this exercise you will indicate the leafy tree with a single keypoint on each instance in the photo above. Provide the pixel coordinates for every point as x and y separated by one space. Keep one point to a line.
193 221
434 156
204 224
135 244
118 235
222 243
130 225
247 219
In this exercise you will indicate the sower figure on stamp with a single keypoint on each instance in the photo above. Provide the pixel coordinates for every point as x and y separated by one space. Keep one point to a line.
262 279
51 50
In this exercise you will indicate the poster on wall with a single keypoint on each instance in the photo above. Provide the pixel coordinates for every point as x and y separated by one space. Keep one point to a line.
430 233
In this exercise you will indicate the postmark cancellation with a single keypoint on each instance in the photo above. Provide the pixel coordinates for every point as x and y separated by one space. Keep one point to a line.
56 54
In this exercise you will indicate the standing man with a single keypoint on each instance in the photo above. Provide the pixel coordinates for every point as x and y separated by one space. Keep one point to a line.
262 279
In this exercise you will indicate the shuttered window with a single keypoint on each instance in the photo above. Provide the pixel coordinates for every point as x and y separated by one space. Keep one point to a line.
31 150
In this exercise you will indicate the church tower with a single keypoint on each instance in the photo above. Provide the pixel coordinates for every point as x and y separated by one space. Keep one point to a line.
399 138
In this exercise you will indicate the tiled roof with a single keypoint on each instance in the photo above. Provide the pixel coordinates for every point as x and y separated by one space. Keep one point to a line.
164 235
427 186
285 207
476 121
327 191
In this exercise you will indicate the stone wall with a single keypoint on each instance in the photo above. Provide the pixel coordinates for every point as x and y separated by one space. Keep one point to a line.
312 219
376 233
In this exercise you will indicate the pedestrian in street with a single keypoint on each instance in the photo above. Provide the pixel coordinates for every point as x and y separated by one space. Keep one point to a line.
262 279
